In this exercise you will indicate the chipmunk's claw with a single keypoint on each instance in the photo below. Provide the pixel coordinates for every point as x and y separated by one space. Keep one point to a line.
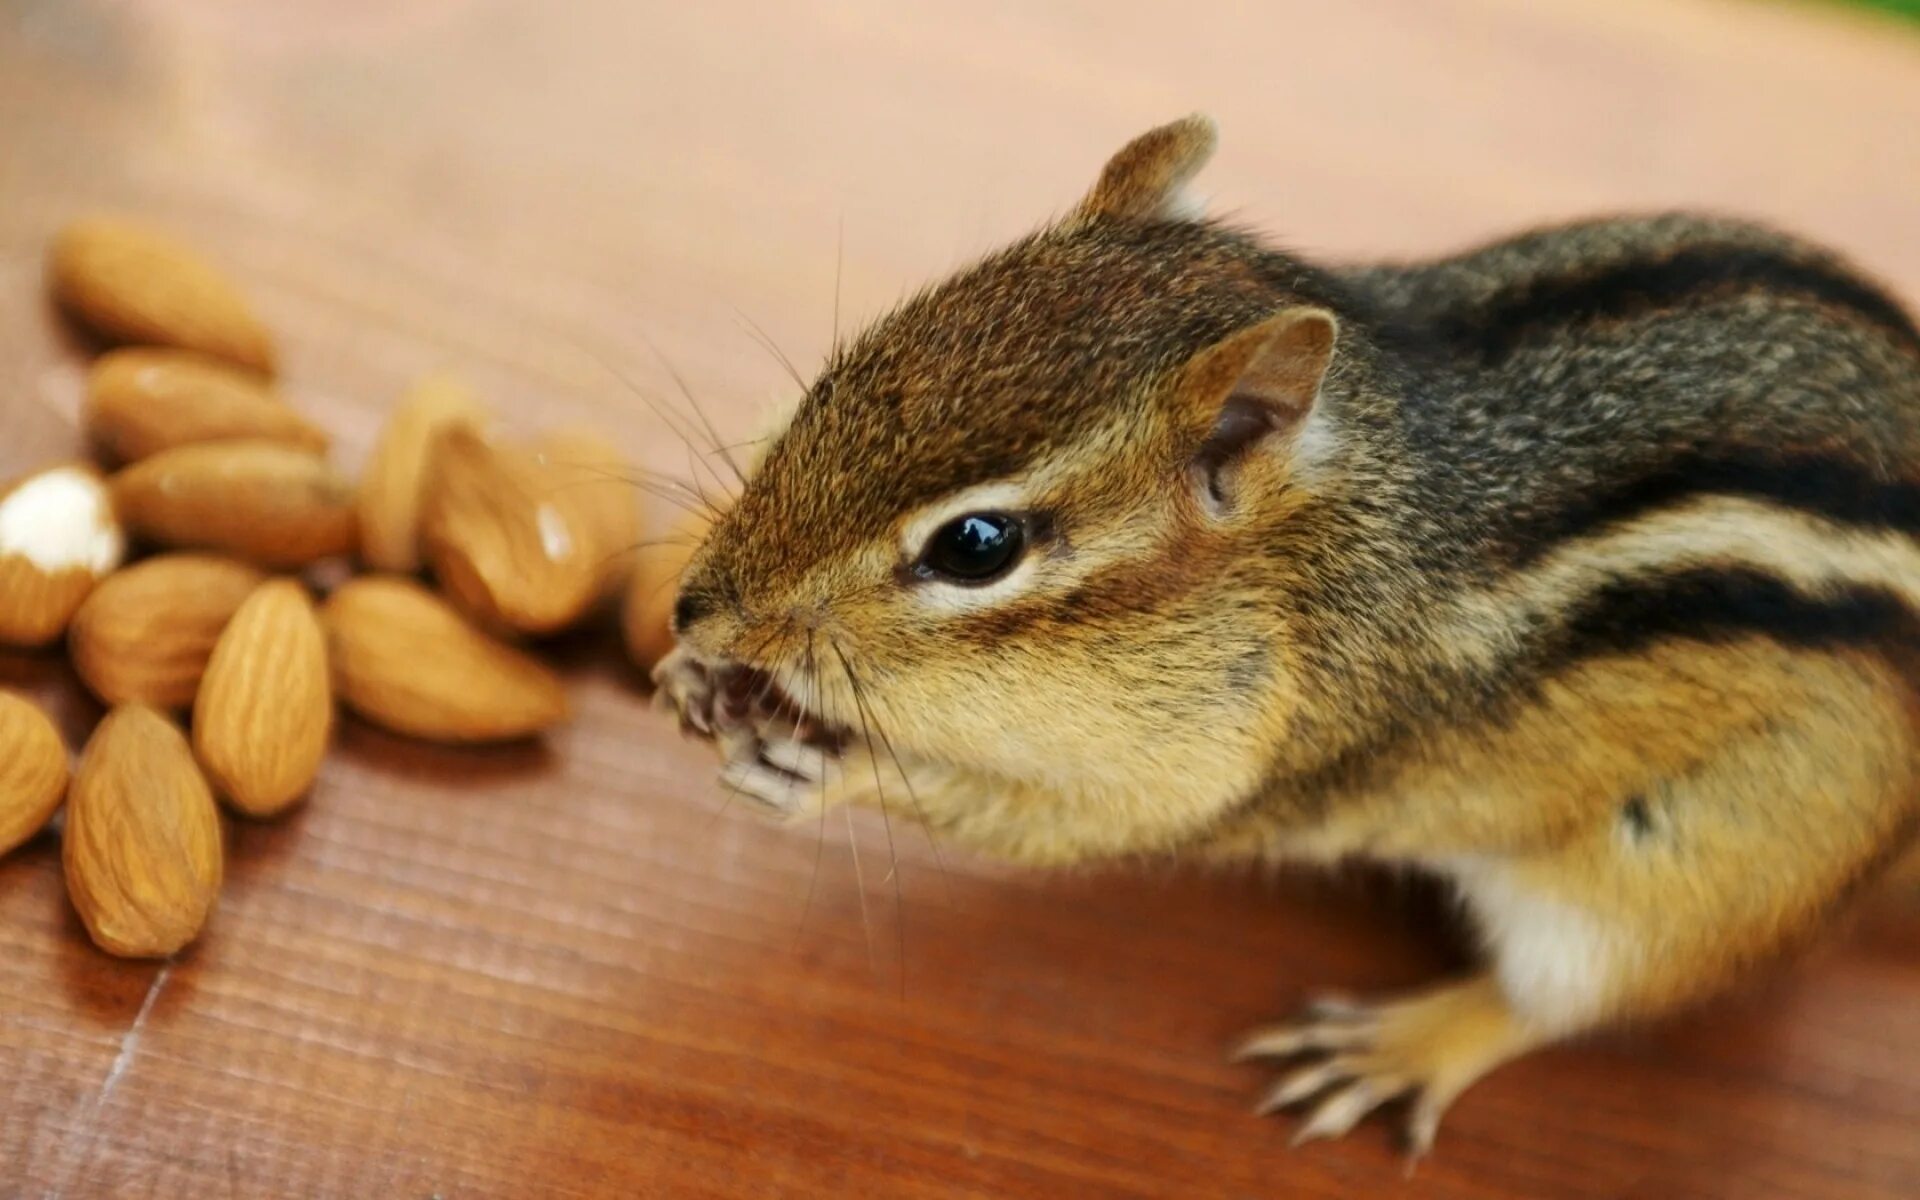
1430 1046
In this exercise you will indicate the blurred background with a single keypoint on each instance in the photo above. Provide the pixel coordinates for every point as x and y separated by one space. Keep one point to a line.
563 970
619 172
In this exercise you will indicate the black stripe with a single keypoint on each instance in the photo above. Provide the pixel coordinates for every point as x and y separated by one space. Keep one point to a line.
1715 605
1832 488
1633 288
1620 618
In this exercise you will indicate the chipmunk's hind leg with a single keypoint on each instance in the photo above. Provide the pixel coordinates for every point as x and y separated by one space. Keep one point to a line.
1661 900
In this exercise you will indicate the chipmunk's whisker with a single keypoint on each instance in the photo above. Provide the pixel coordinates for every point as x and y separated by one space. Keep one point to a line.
699 413
886 818
771 347
839 263
713 510
820 844
670 488
859 877
667 415
913 797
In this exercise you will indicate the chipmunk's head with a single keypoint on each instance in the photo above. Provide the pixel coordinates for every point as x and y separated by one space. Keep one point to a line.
1027 524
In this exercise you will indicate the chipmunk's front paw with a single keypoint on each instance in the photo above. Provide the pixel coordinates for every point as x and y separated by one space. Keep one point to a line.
1430 1046
785 776
774 753
684 686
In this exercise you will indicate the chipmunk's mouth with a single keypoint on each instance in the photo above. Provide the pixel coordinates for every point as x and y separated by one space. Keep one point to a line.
738 698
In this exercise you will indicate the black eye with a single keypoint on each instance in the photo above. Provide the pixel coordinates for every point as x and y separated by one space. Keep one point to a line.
973 549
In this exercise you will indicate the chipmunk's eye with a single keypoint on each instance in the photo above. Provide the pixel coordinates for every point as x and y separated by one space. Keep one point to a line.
976 548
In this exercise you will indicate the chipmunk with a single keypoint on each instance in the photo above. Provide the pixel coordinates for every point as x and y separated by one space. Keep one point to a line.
1578 569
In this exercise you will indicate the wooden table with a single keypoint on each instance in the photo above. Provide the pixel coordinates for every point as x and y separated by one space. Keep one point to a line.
562 970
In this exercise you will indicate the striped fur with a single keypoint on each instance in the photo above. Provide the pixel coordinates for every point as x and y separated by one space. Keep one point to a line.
1588 576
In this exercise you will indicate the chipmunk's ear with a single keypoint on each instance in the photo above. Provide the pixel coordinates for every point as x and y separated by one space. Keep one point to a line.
1250 393
1147 179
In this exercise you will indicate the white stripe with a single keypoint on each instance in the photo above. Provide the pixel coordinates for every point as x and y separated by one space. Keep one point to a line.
1814 555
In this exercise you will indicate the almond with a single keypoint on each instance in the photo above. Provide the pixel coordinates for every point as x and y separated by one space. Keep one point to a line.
58 537
265 709
142 839
594 480
270 504
508 543
145 633
395 478
129 283
646 618
33 770
403 659
142 400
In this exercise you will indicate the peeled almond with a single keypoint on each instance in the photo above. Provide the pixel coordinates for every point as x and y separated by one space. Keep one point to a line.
395 477
130 283
265 708
58 538
507 541
33 770
145 634
268 503
646 617
405 660
141 844
143 400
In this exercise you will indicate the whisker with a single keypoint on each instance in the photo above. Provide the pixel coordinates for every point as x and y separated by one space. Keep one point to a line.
700 413
820 845
786 793
660 409
860 882
767 343
860 888
688 503
886 819
654 483
913 797
685 541
839 265
635 547
713 510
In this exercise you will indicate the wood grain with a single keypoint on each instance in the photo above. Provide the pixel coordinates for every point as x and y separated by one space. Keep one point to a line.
563 970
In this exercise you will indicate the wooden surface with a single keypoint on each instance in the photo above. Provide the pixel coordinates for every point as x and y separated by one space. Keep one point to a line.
562 970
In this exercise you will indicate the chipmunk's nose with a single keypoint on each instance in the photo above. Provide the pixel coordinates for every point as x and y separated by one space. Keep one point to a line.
689 609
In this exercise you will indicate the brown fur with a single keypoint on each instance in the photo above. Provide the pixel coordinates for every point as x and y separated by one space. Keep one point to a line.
1580 568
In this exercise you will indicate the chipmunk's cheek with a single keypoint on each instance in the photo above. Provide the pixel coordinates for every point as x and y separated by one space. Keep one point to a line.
1250 674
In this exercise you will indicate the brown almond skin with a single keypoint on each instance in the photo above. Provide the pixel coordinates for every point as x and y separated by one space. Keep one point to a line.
130 283
145 634
267 503
33 770
142 842
646 615
142 400
407 661
506 538
265 710
36 605
394 482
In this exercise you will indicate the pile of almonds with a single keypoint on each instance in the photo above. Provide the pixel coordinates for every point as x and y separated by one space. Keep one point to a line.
232 486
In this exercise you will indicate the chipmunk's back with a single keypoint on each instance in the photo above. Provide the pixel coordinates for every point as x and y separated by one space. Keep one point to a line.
1578 376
